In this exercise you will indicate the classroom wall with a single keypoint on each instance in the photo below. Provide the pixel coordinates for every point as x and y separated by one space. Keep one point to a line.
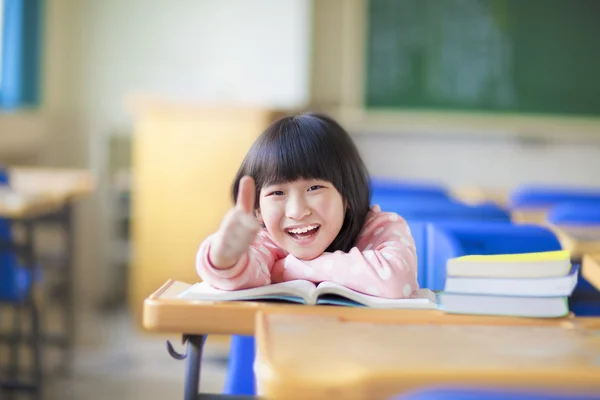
193 50
443 153
492 163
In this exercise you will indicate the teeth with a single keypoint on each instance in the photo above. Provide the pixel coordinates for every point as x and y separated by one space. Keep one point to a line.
304 229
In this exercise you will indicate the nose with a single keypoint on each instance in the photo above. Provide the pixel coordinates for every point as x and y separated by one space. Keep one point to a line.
297 208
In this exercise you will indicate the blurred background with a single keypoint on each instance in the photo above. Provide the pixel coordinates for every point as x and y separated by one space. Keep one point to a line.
159 101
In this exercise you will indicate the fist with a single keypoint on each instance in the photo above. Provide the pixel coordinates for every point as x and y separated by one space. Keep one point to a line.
238 229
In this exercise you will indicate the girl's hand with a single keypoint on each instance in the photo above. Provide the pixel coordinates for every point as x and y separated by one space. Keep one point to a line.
238 229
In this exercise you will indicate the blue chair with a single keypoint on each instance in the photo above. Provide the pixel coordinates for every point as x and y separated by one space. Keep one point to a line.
428 209
240 378
498 393
407 188
16 283
538 196
585 300
419 212
580 213
446 240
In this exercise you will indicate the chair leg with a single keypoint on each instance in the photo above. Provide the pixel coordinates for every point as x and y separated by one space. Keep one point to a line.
14 350
36 344
15 343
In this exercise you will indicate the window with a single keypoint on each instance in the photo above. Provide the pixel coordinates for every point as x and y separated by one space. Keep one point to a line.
20 56
1 38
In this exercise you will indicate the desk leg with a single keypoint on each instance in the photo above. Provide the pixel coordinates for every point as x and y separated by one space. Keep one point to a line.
69 300
192 368
195 344
36 332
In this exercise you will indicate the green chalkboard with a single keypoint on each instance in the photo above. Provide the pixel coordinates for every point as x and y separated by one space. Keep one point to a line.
509 56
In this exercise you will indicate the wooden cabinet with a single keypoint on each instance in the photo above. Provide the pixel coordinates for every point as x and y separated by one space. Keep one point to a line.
184 159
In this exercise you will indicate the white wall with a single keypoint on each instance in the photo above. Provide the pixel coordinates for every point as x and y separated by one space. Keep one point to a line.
208 50
216 50
500 164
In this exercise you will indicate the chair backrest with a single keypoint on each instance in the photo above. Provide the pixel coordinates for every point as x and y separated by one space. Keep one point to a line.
582 213
406 188
537 196
9 275
446 240
418 213
435 209
491 393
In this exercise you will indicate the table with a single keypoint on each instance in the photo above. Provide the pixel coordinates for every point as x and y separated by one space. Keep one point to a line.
165 312
34 196
326 357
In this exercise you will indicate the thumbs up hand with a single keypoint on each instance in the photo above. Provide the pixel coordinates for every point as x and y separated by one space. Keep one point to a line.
238 228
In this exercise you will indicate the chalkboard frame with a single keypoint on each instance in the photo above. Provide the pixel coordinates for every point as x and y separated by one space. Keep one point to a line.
337 86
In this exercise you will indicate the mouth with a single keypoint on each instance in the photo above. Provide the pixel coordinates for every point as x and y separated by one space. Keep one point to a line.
304 232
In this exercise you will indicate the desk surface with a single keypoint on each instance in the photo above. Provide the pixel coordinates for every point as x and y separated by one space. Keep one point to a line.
326 357
164 312
35 191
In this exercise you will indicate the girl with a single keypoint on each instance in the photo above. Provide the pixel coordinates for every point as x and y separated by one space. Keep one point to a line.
303 212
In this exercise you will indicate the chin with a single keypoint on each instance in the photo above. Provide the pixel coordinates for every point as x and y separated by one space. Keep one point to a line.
306 255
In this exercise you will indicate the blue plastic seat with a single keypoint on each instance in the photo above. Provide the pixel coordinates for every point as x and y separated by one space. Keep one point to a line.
428 209
240 378
446 240
584 214
491 394
407 188
580 213
419 212
538 196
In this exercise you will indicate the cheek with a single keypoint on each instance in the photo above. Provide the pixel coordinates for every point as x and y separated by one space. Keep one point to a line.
270 212
333 208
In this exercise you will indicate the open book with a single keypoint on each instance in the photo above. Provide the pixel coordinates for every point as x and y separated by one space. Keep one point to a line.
306 292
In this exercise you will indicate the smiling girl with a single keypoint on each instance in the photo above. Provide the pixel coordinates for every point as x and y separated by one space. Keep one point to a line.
303 212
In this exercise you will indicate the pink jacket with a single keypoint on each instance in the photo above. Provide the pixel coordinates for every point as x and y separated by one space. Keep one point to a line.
382 263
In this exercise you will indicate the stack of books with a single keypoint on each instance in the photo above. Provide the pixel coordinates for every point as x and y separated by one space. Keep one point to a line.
523 285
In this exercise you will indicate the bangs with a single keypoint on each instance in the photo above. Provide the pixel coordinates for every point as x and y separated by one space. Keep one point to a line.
311 146
296 150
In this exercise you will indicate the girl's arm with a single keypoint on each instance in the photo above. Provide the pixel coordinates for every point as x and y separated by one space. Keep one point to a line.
253 269
383 263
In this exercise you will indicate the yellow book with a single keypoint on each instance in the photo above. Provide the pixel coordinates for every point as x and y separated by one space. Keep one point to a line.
557 255
524 265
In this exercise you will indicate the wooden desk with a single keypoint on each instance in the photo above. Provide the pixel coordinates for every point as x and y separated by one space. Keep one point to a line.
164 312
60 183
577 239
38 195
328 357
478 195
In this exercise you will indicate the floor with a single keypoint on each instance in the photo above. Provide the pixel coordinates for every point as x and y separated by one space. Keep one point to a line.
114 360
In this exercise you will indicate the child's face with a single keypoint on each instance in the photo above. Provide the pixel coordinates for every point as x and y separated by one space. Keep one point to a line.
303 217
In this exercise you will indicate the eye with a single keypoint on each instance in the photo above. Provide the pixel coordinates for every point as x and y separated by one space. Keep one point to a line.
276 193
315 187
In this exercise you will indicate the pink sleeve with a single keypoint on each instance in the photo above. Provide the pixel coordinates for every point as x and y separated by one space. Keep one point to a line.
253 269
383 263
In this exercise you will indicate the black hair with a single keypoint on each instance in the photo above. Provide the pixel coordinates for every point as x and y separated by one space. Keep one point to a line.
312 146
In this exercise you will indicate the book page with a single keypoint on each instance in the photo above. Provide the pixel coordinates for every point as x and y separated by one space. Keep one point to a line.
423 299
297 288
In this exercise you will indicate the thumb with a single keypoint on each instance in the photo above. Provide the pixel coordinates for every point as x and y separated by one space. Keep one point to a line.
246 195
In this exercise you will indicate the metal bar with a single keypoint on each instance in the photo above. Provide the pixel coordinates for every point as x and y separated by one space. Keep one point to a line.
31 260
192 369
69 298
